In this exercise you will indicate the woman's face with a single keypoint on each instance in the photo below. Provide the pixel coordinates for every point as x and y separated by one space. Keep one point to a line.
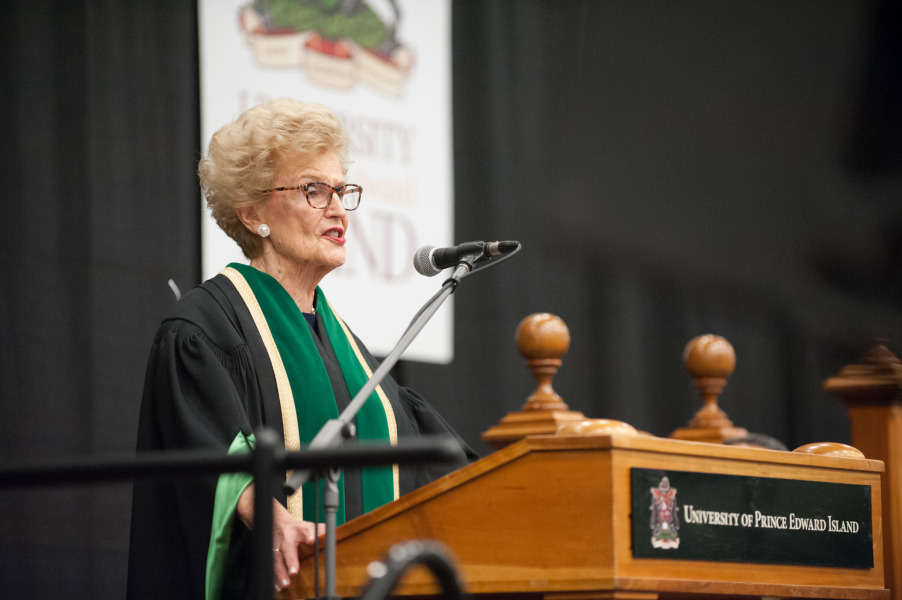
305 237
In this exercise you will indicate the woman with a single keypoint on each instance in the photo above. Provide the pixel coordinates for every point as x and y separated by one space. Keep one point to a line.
259 345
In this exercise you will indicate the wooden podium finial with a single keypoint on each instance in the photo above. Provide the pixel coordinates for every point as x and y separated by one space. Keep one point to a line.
542 339
876 379
710 360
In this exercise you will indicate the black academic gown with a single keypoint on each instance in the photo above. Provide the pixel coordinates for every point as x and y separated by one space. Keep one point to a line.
209 378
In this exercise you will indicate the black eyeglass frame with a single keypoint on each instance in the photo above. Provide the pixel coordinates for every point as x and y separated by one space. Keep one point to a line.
340 191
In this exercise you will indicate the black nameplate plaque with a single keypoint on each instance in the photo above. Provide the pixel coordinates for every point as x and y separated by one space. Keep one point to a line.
732 518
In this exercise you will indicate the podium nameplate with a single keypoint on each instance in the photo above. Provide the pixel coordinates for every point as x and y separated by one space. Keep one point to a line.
702 516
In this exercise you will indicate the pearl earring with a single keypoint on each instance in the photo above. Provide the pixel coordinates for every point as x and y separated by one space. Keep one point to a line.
263 230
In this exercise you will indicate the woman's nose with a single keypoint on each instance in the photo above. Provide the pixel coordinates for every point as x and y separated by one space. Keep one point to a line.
336 205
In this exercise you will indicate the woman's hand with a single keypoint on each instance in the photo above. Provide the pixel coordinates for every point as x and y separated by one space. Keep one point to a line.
287 533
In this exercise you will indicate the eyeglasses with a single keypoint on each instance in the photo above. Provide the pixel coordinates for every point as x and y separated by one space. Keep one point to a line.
319 194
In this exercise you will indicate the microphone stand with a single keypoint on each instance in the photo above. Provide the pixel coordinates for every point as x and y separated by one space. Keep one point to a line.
335 430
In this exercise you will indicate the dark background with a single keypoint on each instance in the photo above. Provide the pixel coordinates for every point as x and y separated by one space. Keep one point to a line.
671 168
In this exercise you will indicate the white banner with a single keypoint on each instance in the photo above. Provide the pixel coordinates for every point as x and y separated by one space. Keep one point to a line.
384 68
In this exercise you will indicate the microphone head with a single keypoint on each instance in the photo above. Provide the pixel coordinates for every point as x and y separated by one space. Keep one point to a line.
496 248
422 262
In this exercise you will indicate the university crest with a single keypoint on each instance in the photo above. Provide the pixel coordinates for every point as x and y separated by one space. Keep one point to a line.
665 520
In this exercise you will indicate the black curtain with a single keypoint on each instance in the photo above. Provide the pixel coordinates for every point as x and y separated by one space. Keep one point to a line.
672 169
100 105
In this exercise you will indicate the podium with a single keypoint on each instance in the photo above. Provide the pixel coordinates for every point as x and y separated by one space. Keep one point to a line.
553 518
570 508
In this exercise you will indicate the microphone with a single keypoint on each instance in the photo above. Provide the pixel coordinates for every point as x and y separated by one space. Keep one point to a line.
430 261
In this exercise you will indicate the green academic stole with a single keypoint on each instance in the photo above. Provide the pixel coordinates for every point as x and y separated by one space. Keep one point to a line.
305 393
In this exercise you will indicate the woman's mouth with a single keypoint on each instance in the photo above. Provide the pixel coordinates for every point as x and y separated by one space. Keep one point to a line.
336 234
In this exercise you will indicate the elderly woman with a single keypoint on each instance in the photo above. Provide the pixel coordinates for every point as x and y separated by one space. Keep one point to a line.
259 345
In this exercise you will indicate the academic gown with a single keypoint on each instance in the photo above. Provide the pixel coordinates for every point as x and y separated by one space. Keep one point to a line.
209 378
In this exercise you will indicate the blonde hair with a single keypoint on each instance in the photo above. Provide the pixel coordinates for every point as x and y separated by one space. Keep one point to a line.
245 156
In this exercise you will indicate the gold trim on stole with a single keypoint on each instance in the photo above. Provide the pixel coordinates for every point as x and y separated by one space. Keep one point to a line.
386 405
286 399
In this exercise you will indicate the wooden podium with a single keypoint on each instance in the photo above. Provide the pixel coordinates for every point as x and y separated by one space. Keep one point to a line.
550 517
561 511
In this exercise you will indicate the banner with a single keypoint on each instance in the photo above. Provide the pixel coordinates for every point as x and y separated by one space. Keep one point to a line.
384 68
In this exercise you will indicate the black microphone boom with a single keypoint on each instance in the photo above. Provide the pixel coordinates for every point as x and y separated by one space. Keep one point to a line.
430 261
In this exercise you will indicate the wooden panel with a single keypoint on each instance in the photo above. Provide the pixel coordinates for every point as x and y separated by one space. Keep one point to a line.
539 522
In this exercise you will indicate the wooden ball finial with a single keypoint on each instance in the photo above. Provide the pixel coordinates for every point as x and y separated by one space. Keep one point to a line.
543 339
710 359
542 335
709 356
